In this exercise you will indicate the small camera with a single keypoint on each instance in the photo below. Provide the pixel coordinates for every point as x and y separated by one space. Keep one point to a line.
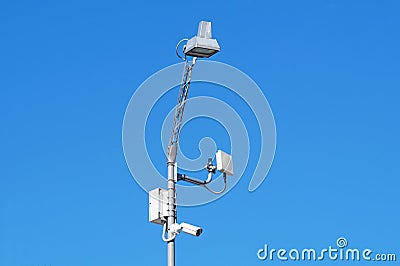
191 229
187 228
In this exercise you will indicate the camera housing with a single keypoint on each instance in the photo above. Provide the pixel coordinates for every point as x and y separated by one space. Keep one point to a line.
191 229
186 228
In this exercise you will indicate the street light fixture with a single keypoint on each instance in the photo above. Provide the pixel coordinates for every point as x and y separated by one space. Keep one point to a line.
202 45
162 203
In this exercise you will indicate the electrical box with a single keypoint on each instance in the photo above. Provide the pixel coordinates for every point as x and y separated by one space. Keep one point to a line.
158 207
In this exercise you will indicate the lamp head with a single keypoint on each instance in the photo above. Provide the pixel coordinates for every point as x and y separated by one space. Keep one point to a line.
202 45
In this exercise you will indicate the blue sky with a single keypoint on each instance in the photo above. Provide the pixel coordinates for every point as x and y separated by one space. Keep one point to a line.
329 69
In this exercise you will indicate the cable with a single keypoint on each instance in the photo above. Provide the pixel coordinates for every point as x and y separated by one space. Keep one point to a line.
176 49
163 234
217 192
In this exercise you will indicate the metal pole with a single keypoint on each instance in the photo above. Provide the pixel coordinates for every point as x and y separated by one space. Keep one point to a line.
171 212
171 155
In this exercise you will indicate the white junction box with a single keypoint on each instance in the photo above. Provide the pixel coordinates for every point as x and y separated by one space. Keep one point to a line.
158 207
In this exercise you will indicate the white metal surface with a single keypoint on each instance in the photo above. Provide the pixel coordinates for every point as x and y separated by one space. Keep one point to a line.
158 208
171 219
224 162
204 30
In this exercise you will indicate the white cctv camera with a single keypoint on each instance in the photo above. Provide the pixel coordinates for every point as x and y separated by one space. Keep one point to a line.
191 229
187 228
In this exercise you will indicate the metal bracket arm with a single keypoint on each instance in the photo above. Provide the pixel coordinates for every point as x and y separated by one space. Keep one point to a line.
192 180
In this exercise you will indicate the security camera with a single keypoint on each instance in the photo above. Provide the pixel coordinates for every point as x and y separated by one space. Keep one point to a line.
191 229
187 228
